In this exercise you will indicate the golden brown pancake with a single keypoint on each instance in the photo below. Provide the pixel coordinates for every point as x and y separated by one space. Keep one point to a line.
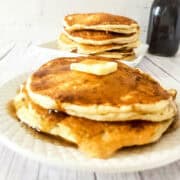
56 80
97 18
100 21
90 49
65 43
96 139
118 54
126 94
96 35
100 37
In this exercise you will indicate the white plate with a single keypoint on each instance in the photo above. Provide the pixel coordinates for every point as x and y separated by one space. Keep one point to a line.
140 52
17 137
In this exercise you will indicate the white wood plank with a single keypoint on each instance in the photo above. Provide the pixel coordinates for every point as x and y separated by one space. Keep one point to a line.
160 75
50 172
17 50
10 64
43 173
118 176
170 172
169 65
16 167
2 151
54 173
5 162
69 175
6 48
85 175
30 170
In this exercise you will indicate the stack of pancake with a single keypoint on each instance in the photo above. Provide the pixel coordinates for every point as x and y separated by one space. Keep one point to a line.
100 34
99 113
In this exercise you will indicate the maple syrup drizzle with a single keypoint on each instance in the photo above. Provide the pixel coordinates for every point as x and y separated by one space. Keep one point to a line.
38 135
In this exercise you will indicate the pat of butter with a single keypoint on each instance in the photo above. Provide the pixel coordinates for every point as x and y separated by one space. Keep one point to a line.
96 67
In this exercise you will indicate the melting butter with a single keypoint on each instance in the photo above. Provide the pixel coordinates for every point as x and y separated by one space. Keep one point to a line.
95 67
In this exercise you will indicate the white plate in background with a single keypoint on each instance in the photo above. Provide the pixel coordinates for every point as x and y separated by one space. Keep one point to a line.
12 133
140 52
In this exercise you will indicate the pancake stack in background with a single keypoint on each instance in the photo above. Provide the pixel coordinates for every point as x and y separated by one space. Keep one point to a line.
97 103
100 34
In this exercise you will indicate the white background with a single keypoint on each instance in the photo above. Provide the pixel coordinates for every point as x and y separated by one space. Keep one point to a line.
40 20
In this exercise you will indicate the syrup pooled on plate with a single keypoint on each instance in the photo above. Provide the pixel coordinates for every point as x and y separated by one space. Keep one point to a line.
38 135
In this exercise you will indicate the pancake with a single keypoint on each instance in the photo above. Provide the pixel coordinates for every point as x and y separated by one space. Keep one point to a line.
100 37
67 44
118 54
100 21
95 139
126 94
90 49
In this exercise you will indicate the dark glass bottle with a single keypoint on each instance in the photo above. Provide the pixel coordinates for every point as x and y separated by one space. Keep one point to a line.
164 27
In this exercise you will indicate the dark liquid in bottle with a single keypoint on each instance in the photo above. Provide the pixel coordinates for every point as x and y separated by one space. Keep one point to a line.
164 27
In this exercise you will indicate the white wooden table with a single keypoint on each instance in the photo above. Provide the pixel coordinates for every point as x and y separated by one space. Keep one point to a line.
14 166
